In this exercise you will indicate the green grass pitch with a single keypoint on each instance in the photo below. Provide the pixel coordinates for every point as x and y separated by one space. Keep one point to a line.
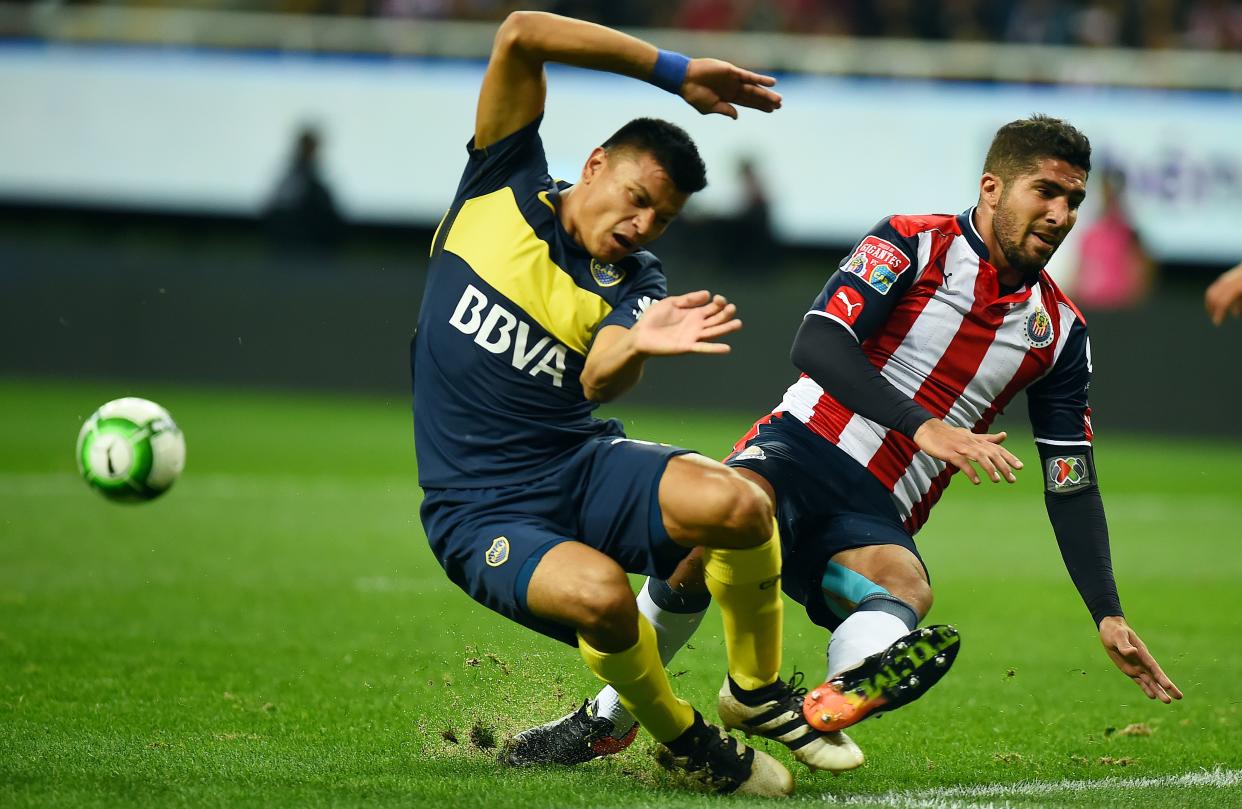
274 632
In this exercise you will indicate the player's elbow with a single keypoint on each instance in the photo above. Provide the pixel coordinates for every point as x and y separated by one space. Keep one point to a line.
594 393
802 353
797 355
599 392
600 388
516 33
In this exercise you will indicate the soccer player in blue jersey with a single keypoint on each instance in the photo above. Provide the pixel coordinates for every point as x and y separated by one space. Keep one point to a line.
925 332
541 302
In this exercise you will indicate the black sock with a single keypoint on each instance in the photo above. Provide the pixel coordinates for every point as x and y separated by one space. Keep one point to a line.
684 743
759 695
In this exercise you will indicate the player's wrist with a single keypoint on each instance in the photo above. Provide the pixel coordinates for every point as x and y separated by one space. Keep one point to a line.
635 345
912 418
925 429
669 72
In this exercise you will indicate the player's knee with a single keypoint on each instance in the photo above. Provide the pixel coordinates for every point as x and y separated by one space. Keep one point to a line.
740 510
893 568
911 588
606 610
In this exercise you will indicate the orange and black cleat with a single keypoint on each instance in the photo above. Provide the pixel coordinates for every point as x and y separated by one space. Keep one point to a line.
886 680
573 739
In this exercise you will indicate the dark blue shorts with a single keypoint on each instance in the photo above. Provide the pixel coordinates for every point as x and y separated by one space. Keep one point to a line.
605 495
826 502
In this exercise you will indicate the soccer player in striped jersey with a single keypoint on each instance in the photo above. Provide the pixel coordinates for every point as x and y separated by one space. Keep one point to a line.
926 331
541 302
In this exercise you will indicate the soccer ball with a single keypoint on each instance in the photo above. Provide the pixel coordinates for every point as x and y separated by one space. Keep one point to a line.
131 450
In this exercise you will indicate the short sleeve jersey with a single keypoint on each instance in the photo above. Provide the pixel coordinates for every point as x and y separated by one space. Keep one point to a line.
510 309
925 304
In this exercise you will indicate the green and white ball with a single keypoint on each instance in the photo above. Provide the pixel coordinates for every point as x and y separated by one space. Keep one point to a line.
131 450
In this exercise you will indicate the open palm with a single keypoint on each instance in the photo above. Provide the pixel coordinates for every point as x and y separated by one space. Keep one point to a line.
686 324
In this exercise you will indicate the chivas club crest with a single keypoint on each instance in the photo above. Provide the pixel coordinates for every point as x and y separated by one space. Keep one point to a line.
1039 328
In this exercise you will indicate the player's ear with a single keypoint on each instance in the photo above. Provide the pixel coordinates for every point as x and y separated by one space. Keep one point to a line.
990 188
595 165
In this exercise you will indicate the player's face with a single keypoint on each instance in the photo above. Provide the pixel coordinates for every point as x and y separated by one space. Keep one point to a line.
1035 214
629 201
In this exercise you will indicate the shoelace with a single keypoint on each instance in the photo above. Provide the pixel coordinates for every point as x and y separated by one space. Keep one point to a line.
731 747
729 744
796 690
597 726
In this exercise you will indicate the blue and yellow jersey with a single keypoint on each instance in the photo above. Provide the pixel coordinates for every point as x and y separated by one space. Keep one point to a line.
511 306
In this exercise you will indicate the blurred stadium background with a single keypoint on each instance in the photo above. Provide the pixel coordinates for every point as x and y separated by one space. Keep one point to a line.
152 226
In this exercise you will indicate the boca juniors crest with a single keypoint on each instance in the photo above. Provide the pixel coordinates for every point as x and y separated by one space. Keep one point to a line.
1039 331
606 275
498 553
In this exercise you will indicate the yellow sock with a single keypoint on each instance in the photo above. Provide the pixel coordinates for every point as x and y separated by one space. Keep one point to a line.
746 585
640 681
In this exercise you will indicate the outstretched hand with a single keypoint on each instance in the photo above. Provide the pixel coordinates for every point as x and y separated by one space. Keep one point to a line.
1224 296
1129 653
962 448
713 85
686 324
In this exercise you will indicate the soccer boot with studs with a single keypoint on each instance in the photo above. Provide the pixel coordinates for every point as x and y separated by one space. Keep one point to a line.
719 763
780 717
886 680
573 739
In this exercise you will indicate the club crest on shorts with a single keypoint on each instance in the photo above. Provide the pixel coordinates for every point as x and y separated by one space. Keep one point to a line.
1068 473
498 554
606 275
1039 331
750 453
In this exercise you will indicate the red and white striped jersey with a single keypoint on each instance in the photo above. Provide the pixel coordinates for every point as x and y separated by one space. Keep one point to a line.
920 296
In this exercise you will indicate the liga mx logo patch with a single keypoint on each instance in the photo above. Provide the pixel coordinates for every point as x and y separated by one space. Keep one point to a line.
498 554
1039 328
1067 474
606 275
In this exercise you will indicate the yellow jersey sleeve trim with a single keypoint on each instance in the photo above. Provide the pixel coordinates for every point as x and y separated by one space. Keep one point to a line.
432 250
491 235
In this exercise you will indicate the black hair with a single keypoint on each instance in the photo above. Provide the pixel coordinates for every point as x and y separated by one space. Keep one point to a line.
671 147
1019 146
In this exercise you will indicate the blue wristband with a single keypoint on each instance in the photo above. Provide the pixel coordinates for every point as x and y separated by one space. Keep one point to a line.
670 71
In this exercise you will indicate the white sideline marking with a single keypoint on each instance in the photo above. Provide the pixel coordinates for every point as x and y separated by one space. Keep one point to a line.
967 797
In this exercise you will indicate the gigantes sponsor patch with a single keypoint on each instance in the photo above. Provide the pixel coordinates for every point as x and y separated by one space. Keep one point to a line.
878 262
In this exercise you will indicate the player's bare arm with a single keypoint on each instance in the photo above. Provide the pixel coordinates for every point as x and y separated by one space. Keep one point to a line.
682 324
515 87
962 448
1224 296
1130 655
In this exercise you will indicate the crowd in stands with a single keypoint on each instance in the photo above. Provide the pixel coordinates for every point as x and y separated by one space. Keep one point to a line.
1156 24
